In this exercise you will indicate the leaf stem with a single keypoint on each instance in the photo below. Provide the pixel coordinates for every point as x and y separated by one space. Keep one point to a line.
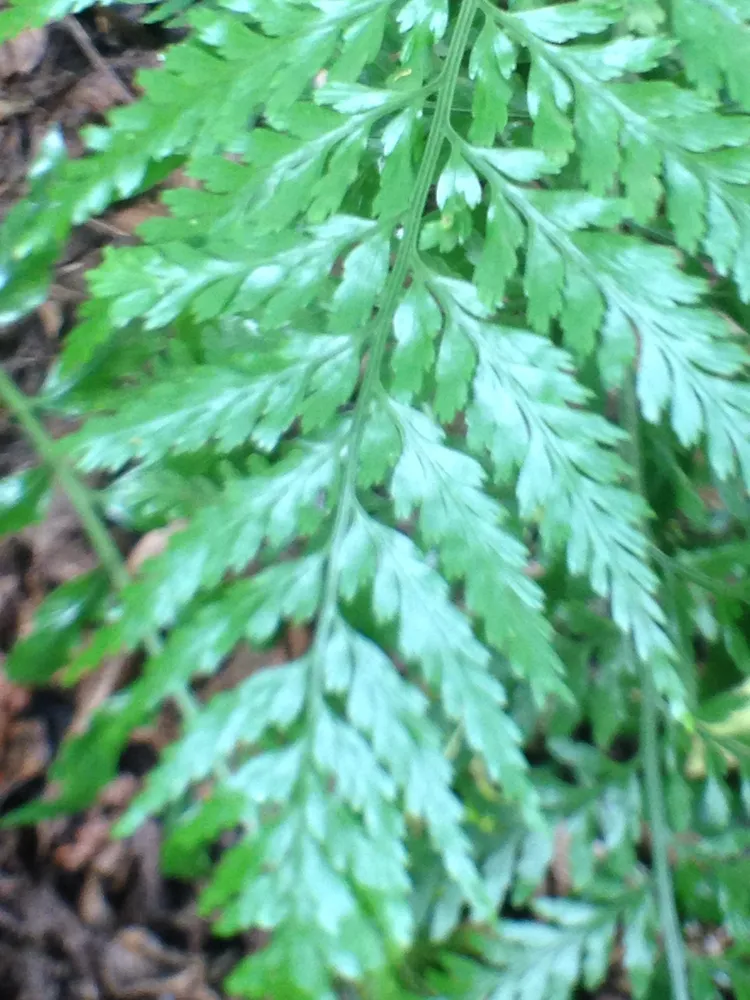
77 492
739 591
660 833
391 293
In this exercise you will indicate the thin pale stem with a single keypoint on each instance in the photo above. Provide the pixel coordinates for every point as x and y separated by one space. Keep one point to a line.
439 130
650 756
78 494
81 498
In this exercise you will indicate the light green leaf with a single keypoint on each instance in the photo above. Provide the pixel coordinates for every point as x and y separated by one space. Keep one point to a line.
365 272
458 180
223 405
56 628
569 473
563 23
416 323
224 536
715 45
441 644
23 499
493 59
375 358
464 525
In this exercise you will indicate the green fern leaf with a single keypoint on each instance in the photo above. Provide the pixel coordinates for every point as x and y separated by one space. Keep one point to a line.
565 458
225 406
464 525
651 135
723 30
58 623
23 499
273 508
540 959
378 357
635 286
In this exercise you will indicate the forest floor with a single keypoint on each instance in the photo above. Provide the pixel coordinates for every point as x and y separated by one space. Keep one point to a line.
82 916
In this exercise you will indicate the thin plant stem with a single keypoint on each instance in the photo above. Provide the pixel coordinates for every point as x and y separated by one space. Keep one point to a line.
79 495
660 834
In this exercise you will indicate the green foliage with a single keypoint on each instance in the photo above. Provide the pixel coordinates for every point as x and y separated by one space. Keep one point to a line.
441 358
567 943
22 499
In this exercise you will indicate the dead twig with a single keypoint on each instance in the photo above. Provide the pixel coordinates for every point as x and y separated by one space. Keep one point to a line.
80 36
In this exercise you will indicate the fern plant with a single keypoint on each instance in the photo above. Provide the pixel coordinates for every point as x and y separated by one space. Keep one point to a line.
441 356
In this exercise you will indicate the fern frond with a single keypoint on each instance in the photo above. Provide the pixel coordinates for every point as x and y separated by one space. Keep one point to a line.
661 141
464 525
550 958
568 468
225 406
714 40
275 508
372 357
304 840
687 357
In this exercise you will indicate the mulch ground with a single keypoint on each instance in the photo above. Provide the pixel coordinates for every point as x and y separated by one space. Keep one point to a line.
82 916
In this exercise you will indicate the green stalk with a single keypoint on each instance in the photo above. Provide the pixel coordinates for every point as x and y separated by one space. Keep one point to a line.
80 496
439 130
660 838
650 756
